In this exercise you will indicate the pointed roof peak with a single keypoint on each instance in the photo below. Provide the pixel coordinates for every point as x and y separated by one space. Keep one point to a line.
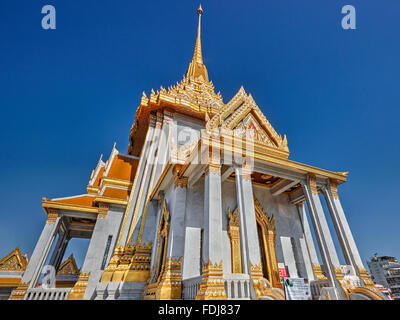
197 69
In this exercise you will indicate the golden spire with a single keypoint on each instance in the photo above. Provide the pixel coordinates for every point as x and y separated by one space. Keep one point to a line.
197 69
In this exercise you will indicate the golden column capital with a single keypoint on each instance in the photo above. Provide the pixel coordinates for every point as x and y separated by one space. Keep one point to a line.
52 215
103 210
333 188
312 180
212 168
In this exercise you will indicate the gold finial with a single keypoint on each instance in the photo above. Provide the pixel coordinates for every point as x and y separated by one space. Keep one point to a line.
197 69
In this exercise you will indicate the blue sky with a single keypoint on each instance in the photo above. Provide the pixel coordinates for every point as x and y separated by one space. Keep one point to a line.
67 94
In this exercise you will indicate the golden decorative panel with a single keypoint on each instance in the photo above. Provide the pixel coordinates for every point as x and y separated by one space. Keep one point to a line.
234 234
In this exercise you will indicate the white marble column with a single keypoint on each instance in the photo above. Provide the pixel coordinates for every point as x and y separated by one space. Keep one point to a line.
250 247
312 253
212 235
42 249
176 239
349 247
323 235
59 249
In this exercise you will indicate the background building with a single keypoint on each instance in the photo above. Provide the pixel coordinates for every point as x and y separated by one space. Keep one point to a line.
385 271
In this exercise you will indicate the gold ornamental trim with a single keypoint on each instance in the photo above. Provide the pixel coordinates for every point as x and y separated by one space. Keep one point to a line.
19 293
78 291
52 215
111 200
313 183
103 210
368 292
47 205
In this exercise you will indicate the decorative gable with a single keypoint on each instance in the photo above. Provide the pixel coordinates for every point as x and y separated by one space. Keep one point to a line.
251 129
244 117
68 267
14 261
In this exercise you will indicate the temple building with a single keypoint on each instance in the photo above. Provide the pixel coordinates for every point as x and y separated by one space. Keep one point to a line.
206 204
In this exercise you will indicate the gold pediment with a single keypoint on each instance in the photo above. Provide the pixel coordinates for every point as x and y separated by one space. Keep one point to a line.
251 129
68 267
14 261
243 116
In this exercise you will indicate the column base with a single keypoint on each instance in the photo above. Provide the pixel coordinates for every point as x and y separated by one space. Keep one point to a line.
78 291
212 285
169 285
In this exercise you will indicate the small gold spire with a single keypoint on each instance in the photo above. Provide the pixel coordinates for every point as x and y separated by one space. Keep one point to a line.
197 69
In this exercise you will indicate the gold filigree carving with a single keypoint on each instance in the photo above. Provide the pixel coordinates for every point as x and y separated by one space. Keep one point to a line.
313 183
14 261
212 283
333 188
68 267
103 210
52 215
234 234
78 291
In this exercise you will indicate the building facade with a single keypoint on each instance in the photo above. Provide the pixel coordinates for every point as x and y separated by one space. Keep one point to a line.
386 272
206 204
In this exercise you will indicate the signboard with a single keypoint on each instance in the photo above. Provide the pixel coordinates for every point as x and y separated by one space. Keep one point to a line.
283 271
297 289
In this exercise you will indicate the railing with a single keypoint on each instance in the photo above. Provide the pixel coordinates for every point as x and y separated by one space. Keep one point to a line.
47 294
316 287
237 286
190 287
